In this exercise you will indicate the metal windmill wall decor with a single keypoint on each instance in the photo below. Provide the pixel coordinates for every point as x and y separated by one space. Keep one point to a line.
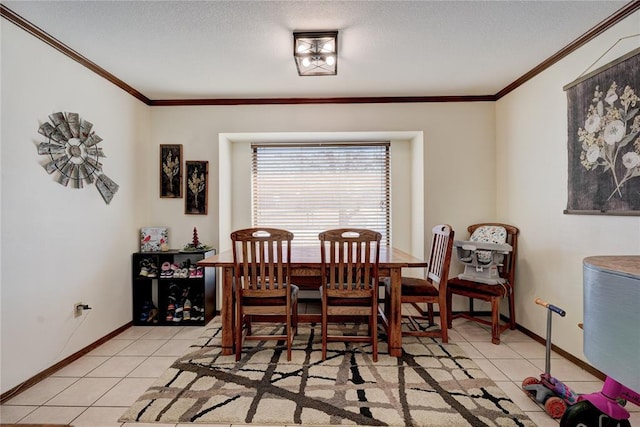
73 148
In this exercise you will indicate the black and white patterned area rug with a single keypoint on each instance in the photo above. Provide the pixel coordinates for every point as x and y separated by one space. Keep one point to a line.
430 385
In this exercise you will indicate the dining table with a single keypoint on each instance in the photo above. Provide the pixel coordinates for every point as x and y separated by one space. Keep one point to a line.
306 265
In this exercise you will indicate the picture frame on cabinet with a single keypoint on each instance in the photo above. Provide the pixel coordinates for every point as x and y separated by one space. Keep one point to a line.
196 188
171 171
154 239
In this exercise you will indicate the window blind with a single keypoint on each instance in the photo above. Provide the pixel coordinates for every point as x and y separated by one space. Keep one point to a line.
307 189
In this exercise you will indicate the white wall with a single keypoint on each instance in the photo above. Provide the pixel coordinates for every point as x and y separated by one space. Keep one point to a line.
457 138
63 245
531 138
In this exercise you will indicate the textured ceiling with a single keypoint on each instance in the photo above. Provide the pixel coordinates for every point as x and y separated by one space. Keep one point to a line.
243 49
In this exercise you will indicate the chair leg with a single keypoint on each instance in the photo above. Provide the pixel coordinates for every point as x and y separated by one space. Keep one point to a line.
289 337
238 332
445 333
374 332
495 320
430 314
292 326
449 310
471 307
324 331
512 310
443 308
234 320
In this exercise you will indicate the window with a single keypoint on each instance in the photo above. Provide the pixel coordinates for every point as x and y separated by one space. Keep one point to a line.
309 188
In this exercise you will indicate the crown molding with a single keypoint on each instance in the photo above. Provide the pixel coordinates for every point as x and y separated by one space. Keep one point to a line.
618 16
339 100
16 19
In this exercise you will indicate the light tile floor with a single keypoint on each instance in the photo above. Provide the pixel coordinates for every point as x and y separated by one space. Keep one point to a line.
96 389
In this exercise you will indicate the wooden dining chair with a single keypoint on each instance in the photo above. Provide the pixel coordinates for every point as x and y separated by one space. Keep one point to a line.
349 265
262 268
493 293
430 290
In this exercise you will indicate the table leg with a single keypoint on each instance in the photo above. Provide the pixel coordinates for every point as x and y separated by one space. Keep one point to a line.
227 311
395 315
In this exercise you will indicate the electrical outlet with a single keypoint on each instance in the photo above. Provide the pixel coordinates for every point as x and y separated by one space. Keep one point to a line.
77 309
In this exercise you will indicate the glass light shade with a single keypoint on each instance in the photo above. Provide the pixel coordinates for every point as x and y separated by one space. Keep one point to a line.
315 53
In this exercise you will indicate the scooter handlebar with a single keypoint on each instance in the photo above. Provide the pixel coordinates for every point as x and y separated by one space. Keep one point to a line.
551 307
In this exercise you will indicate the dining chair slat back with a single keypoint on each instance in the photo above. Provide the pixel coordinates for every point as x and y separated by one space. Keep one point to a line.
262 267
430 290
349 263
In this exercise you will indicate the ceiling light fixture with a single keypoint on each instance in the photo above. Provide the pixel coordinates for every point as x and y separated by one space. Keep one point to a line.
316 53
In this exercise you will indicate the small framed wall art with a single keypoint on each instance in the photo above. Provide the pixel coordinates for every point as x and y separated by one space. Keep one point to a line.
195 201
171 171
154 239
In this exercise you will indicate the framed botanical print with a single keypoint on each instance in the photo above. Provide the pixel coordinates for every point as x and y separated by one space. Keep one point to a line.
604 142
171 171
195 201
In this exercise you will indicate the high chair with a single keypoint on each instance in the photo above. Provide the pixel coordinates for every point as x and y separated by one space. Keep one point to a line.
489 257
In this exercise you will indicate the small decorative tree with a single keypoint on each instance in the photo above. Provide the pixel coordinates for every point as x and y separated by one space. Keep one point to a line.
196 245
195 242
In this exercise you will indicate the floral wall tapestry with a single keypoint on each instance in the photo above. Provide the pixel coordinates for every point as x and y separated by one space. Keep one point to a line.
604 140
